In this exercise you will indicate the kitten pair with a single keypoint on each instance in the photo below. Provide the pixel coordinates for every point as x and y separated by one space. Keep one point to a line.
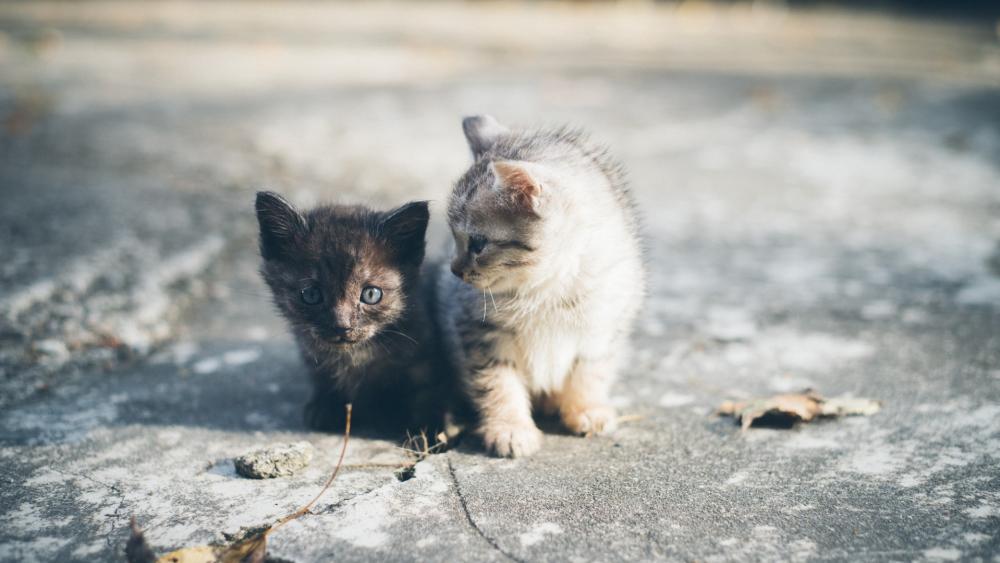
548 277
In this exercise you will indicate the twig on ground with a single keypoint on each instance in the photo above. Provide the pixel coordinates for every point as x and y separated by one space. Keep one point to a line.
248 550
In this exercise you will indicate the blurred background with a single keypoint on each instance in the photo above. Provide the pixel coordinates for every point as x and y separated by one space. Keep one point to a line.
820 183
133 135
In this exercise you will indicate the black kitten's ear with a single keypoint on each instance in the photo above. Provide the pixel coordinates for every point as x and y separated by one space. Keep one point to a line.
405 227
482 132
281 226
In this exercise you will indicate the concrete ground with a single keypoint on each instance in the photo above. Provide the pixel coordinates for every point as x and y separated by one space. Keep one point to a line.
822 199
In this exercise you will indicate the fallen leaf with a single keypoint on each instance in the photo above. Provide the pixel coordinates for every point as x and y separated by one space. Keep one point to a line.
846 406
790 408
250 550
199 554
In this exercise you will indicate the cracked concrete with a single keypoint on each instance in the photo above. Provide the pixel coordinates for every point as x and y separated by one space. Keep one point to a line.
114 518
820 193
468 515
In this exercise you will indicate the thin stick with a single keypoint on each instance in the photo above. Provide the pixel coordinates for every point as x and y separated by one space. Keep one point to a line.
375 465
340 463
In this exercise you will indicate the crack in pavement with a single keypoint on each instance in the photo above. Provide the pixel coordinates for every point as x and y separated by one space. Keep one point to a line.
115 516
468 515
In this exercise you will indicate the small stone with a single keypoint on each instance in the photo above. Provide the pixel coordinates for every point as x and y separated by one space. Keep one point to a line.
274 461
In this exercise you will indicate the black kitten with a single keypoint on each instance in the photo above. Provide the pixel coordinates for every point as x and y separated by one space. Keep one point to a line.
347 280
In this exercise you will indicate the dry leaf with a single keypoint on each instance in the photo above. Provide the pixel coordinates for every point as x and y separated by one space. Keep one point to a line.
787 409
844 406
250 550
200 554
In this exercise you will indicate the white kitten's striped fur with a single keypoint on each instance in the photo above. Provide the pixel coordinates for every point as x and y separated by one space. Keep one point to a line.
545 315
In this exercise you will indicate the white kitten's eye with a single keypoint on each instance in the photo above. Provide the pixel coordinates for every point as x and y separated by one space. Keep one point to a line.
477 243
371 295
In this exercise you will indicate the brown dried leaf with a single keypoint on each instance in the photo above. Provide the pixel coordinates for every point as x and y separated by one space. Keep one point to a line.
791 408
199 554
250 550
847 406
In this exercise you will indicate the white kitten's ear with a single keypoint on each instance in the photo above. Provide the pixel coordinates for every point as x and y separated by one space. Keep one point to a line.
517 180
281 226
482 132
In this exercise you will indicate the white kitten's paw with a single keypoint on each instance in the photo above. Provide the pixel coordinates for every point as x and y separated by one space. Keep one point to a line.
512 440
591 420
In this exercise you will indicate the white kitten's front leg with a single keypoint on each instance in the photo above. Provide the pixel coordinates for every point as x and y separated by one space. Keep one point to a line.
504 408
584 406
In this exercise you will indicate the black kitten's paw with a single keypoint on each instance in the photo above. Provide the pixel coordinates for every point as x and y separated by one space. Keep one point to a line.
325 415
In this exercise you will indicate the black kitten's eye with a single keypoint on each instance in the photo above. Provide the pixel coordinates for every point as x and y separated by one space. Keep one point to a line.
311 295
371 295
477 243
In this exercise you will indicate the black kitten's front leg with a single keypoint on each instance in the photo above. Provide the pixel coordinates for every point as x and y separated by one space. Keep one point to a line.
326 411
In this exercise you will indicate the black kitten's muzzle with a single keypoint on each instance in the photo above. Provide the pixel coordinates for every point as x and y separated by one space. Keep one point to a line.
341 335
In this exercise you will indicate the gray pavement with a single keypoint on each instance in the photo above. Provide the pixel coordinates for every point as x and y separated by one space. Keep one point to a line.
822 199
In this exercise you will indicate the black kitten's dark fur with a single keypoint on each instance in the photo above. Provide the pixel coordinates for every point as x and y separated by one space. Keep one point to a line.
347 279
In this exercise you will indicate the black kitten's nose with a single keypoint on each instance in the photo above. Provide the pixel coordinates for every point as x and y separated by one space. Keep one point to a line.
342 331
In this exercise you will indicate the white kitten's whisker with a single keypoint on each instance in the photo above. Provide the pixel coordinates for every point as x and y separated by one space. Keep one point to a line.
484 304
493 300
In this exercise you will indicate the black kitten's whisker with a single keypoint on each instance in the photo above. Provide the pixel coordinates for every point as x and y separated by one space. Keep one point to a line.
251 292
381 346
406 336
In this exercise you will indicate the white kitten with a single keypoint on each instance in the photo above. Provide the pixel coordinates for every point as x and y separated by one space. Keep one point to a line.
547 246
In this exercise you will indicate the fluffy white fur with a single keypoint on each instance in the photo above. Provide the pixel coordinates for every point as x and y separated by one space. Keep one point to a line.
563 320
